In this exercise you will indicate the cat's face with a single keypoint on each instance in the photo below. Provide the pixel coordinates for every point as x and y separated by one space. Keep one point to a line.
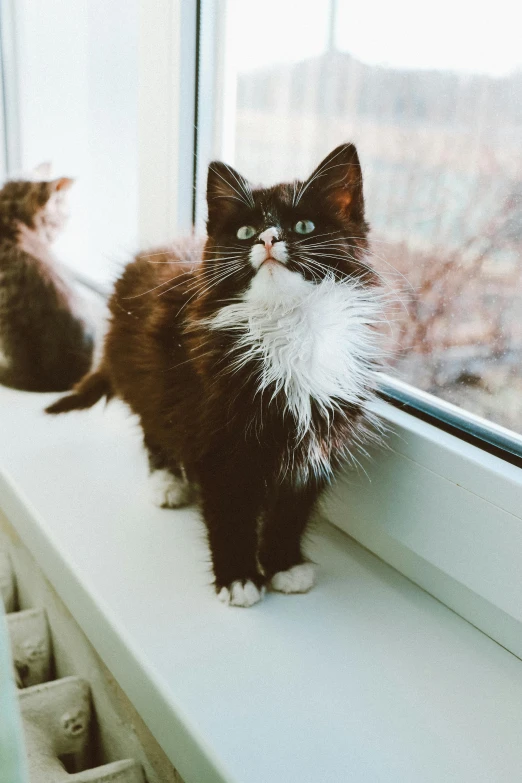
307 230
39 205
52 217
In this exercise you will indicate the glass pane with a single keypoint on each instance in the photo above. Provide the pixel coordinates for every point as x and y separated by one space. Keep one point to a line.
76 100
432 97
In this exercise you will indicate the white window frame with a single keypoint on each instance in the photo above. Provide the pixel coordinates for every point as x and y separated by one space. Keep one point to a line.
446 514
166 118
9 120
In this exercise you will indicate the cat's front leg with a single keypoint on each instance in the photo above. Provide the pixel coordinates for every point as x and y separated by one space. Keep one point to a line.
281 556
231 498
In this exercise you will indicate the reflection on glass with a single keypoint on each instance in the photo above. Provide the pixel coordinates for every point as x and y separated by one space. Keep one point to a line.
435 108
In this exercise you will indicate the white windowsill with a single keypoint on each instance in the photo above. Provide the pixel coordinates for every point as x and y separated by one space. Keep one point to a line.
367 678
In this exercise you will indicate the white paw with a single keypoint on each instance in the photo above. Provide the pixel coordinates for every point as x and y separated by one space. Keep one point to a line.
298 579
168 491
241 594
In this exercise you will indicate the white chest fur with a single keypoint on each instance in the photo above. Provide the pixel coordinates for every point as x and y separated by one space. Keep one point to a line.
313 341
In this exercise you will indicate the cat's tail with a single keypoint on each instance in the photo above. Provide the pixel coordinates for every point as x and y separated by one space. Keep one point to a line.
89 390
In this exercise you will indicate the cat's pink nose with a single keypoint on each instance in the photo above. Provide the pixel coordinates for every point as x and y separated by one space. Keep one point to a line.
268 238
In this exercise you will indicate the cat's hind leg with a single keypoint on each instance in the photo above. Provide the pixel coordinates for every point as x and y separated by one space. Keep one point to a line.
168 490
168 484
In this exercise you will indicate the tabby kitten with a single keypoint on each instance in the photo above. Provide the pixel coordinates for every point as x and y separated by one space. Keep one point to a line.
250 359
44 342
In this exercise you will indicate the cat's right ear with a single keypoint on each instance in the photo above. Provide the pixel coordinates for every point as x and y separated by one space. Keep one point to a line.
227 191
63 183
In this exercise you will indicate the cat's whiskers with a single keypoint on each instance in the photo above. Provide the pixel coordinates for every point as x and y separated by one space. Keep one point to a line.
335 273
340 248
340 235
181 279
394 271
196 256
212 274
214 261
346 277
309 243
210 254
237 246
306 266
316 236
396 299
155 288
212 284
383 278
387 299
368 253
340 245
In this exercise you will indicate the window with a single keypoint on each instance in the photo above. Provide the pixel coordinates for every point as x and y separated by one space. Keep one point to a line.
112 93
433 99
70 97
431 96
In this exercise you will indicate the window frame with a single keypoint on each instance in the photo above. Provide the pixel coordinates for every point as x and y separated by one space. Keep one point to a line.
497 440
445 513
462 462
168 93
9 118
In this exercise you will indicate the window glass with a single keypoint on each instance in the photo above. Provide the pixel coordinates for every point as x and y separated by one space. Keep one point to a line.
432 97
75 87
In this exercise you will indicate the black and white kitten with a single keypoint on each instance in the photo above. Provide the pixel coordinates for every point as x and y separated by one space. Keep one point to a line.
250 358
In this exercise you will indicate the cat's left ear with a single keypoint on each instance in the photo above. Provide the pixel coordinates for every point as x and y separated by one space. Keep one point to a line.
227 191
338 178
42 172
63 183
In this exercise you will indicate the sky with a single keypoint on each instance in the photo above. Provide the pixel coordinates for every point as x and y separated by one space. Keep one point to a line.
473 37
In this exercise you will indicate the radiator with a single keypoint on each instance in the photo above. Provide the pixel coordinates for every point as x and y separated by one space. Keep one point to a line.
60 725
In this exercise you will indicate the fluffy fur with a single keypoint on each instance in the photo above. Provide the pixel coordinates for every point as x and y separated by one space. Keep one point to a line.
250 359
298 579
45 343
311 340
168 491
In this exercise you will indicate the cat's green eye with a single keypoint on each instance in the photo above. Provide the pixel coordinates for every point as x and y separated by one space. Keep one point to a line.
245 232
304 227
